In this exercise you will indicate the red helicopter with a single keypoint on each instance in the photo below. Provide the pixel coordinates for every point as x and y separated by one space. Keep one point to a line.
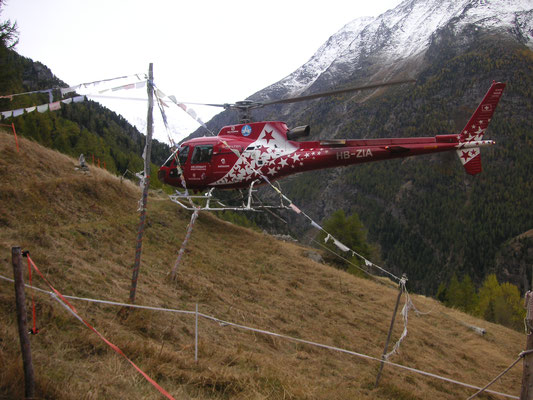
253 153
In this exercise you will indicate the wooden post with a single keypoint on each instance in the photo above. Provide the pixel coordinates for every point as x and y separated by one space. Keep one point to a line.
196 335
20 298
147 152
16 138
527 371
400 290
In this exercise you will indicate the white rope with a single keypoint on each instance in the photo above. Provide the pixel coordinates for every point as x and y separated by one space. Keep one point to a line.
224 323
484 388
101 96
354 265
324 346
54 296
345 248
112 303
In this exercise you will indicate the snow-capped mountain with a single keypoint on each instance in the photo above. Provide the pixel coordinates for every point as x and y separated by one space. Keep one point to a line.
397 38
454 49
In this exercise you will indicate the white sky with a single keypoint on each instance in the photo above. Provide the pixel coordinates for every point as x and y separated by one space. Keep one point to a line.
203 50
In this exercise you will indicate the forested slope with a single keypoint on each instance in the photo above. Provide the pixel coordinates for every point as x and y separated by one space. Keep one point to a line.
76 128
428 216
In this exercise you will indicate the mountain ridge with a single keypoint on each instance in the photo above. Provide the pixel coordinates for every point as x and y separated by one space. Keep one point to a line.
397 35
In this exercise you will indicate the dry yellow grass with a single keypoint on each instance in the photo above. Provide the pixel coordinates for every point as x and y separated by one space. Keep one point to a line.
81 232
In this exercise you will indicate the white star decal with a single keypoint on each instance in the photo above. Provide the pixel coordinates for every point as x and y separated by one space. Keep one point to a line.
296 157
283 162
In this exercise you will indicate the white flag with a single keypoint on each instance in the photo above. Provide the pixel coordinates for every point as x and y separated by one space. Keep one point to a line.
340 245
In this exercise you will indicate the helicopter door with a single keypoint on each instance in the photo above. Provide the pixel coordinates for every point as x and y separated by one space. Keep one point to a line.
200 167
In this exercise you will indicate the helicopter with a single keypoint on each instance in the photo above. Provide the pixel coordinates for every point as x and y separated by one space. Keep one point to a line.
247 154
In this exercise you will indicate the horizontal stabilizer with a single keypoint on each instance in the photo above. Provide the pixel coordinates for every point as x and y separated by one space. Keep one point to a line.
471 159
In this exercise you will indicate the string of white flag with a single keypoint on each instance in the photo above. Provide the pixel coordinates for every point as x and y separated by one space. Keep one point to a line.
56 105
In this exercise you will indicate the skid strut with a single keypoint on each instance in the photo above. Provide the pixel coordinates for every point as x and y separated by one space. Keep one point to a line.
203 202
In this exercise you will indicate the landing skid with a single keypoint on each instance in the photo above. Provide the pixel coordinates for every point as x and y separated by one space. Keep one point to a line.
204 202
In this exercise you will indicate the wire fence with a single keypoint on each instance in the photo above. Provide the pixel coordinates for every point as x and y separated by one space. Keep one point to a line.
224 323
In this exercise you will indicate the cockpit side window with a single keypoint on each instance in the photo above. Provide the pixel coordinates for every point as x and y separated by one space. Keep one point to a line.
168 163
182 154
202 154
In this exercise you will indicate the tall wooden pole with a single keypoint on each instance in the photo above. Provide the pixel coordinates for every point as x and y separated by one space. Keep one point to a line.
527 371
20 298
144 200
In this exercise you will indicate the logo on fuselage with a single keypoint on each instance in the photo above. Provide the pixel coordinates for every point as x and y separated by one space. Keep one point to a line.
246 130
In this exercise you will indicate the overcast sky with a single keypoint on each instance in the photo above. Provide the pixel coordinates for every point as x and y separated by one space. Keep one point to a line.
202 50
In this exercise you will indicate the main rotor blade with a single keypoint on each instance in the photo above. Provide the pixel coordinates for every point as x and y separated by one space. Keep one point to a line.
205 104
339 91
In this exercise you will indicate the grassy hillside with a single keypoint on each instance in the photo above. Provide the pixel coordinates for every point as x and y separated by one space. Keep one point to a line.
81 230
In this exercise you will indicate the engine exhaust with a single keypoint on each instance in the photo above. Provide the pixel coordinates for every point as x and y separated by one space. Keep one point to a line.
298 132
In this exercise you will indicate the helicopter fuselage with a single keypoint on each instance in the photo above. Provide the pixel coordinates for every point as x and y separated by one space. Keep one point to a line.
265 151
241 154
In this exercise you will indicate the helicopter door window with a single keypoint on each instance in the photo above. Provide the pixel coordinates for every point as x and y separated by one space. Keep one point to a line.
182 155
202 154
168 163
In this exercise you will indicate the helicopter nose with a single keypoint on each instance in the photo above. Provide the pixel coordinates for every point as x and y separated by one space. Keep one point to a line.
161 174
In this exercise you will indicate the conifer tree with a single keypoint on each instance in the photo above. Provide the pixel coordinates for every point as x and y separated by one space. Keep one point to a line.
9 35
468 297
489 293
350 232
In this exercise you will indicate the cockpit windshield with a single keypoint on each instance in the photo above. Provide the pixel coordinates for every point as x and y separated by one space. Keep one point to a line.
182 152
168 162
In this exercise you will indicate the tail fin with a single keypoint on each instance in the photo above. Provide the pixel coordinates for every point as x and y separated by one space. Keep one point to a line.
471 136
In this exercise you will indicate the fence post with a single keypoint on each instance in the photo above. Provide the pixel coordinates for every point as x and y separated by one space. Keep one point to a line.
16 138
20 299
400 290
527 371
196 336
